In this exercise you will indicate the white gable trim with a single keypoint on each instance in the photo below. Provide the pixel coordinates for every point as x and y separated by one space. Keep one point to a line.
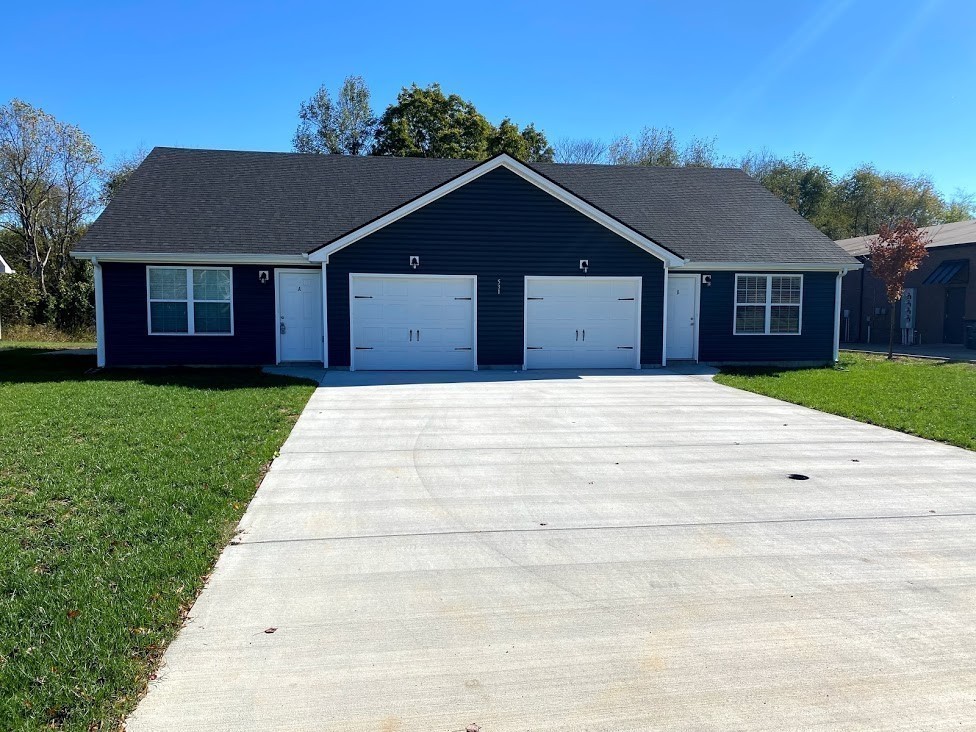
524 172
5 268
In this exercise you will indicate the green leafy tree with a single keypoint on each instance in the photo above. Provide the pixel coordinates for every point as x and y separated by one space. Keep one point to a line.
426 123
345 126
116 175
528 144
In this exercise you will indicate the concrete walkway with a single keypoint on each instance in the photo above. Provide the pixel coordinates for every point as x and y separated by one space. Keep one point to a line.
606 551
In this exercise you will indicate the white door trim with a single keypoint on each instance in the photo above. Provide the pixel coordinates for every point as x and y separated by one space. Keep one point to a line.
637 320
696 278
277 314
474 308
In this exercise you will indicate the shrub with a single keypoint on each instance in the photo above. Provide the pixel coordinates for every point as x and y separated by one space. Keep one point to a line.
20 299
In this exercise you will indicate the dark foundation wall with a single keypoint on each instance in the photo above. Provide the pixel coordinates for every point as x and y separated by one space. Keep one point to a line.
500 228
718 344
127 339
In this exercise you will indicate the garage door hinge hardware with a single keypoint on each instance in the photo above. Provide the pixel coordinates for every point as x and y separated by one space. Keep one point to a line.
462 349
534 348
626 298
363 297
626 348
535 298
364 348
462 298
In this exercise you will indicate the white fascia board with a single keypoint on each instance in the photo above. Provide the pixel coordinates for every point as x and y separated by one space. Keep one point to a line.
191 258
526 173
5 268
767 267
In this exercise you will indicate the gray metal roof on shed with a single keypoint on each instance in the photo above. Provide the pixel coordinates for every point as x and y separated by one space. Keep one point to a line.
943 235
233 202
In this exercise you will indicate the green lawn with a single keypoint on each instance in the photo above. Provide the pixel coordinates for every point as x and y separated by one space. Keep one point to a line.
117 492
930 399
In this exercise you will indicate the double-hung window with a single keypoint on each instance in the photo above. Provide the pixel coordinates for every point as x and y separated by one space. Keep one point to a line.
768 304
190 300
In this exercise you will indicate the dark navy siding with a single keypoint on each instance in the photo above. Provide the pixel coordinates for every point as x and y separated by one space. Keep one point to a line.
498 227
815 342
127 339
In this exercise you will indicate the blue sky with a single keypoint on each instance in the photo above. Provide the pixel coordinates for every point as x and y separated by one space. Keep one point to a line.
891 82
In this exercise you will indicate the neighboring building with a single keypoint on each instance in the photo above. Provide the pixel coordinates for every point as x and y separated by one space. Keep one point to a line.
944 294
5 268
218 257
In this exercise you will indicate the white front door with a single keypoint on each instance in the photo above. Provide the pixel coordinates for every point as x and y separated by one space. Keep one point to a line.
682 306
412 322
299 315
582 322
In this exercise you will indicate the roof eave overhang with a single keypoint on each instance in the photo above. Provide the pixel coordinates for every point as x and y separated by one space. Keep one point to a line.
770 266
192 258
669 258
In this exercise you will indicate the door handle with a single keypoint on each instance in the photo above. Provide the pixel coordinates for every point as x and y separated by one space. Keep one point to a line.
418 335
577 334
411 335
281 327
584 335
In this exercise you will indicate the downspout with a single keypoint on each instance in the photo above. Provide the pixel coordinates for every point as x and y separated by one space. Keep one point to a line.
99 316
325 315
664 327
837 288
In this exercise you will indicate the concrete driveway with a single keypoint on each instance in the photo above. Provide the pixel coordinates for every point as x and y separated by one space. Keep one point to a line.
605 551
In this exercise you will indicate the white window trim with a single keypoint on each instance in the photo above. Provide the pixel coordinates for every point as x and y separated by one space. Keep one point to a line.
768 305
189 302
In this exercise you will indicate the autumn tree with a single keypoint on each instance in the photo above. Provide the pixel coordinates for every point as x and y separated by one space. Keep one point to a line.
896 252
49 174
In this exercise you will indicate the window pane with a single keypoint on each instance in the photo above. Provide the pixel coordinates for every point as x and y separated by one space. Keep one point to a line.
786 290
167 284
211 317
784 319
750 289
750 319
168 317
211 284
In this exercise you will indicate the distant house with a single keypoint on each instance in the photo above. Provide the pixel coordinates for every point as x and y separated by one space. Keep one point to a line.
5 268
942 289
218 257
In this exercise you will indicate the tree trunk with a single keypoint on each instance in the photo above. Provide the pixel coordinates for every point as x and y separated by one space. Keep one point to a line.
894 315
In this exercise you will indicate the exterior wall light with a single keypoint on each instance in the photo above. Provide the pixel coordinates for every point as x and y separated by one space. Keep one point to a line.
414 261
263 276
584 265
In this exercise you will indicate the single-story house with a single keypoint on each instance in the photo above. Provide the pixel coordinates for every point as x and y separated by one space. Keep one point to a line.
940 299
221 257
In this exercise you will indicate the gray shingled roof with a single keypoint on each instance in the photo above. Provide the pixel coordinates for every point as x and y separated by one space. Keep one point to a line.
943 235
217 201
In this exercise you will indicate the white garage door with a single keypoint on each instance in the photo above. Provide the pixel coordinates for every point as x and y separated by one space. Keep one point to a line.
412 323
582 322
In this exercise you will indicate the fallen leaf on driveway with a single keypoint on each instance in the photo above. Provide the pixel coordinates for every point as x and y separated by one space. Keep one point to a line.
270 630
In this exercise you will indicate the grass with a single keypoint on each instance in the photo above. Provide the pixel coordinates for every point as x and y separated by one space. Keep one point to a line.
931 399
117 492
36 334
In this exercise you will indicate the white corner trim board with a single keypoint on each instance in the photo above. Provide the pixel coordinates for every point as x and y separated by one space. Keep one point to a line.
501 161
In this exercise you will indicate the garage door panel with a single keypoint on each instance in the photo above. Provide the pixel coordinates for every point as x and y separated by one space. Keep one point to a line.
582 322
412 322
